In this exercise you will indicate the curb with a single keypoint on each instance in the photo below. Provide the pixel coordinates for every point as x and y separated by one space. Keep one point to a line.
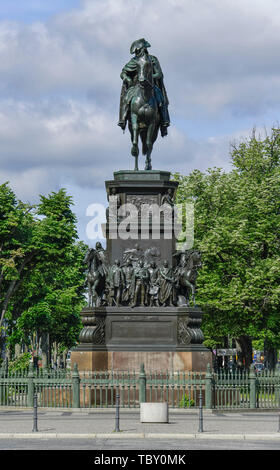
121 435
99 410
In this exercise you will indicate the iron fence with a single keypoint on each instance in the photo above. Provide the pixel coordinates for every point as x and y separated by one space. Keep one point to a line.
76 389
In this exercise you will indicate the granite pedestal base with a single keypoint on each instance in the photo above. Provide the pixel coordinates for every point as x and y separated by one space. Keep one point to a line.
122 338
171 361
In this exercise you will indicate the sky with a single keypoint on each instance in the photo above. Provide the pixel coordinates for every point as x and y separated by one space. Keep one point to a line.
60 64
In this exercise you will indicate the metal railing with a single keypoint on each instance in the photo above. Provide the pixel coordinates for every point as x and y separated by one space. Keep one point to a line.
76 389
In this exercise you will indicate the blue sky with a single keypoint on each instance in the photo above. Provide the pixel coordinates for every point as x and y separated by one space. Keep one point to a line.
60 64
34 10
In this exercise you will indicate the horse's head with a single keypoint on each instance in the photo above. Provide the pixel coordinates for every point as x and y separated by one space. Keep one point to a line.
190 259
145 70
196 259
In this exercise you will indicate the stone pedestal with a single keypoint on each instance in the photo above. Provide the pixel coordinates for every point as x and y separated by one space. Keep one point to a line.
122 338
171 361
142 189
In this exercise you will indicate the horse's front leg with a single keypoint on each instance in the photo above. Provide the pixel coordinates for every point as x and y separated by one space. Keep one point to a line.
135 135
189 288
149 143
193 296
89 294
95 294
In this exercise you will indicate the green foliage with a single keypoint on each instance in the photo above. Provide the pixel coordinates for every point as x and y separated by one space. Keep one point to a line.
186 401
20 363
41 268
258 344
237 220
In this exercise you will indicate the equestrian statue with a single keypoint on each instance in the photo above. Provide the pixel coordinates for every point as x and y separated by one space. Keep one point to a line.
144 101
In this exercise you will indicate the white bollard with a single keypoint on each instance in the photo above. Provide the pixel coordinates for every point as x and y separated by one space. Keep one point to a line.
154 413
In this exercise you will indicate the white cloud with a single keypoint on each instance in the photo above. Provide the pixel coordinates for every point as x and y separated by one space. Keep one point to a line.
208 49
60 85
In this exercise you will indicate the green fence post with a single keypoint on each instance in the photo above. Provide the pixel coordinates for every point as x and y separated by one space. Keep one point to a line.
75 387
142 384
208 388
252 381
30 386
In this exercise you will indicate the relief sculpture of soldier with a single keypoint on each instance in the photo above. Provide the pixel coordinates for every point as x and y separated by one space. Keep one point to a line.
115 202
115 283
128 277
153 284
168 198
167 285
140 284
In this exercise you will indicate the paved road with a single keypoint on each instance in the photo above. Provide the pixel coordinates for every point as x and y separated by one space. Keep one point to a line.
93 430
129 444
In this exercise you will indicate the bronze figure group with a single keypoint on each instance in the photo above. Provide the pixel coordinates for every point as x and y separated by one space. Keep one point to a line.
140 281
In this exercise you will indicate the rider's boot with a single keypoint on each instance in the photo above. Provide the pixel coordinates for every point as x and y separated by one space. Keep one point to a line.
164 119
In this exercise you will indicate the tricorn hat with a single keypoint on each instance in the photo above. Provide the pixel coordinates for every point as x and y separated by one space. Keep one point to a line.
138 44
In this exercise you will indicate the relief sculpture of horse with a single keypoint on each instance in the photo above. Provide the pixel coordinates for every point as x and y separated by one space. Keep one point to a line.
186 273
96 275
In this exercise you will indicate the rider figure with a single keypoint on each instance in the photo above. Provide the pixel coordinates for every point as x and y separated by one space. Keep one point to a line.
116 283
129 77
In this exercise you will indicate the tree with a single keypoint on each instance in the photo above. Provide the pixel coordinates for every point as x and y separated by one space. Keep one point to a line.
237 219
49 303
16 226
42 269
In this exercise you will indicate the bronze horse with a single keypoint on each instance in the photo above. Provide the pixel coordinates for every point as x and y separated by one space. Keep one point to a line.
144 115
186 274
95 278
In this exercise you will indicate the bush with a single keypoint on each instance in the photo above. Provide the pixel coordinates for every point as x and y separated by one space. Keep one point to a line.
21 362
186 402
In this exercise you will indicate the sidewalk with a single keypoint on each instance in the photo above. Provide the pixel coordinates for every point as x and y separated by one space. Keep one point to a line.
183 424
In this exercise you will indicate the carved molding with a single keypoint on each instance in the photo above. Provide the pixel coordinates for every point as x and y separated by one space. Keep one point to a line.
94 334
183 332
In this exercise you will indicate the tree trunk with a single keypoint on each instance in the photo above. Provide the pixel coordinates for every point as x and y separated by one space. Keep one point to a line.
244 348
17 350
8 354
270 356
55 348
64 355
45 350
